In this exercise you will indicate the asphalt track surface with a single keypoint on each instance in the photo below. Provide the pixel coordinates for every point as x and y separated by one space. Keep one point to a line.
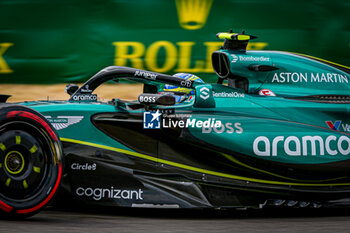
145 220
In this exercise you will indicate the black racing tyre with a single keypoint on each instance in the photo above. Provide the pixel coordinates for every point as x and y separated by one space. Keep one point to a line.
30 161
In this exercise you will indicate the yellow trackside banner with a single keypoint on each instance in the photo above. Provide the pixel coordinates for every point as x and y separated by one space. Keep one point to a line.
68 41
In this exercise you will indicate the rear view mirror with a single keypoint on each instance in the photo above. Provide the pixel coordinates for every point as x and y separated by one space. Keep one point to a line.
156 99
71 89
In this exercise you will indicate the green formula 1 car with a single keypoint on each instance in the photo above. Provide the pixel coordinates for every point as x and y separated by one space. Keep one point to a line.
274 130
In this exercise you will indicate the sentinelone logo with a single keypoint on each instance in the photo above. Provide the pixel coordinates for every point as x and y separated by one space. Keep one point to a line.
204 93
152 120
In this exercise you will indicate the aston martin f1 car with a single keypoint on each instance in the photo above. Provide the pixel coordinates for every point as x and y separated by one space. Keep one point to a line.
274 130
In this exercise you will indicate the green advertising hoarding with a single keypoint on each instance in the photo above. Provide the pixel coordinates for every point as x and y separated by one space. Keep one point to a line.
68 41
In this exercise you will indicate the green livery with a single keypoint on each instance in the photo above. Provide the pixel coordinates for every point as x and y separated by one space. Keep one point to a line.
274 129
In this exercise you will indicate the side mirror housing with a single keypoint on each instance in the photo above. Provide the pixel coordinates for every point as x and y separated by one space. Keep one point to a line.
71 89
156 99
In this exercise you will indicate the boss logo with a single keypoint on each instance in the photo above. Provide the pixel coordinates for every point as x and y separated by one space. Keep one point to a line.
147 99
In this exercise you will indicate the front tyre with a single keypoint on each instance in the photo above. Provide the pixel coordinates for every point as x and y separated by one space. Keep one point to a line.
30 161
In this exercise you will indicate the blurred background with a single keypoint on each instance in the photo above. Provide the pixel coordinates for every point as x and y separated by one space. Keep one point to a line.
63 41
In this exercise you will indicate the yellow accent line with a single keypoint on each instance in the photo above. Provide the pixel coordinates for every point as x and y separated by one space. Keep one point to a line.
8 181
18 139
33 149
225 35
2 147
195 169
25 184
136 154
36 169
320 59
232 159
0 165
243 37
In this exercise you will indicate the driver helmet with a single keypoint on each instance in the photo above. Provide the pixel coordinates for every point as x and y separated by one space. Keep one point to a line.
182 93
